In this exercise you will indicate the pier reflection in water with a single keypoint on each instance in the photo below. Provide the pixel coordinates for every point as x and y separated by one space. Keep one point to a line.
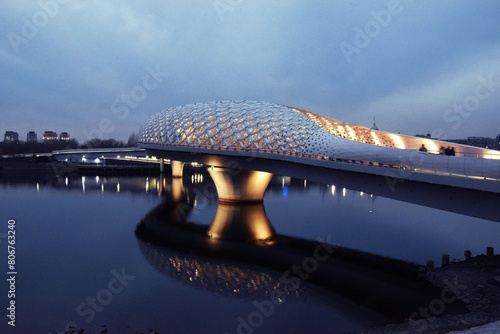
76 229
229 265
362 287
355 211
241 222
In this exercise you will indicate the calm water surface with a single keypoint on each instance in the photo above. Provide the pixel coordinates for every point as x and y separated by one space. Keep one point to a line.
80 263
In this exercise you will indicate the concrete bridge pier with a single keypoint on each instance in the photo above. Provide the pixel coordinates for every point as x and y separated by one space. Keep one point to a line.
239 186
177 167
162 166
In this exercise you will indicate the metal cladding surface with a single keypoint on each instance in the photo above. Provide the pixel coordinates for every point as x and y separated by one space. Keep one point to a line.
251 126
242 125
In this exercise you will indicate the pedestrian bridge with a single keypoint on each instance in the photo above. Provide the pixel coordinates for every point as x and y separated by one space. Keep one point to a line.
243 142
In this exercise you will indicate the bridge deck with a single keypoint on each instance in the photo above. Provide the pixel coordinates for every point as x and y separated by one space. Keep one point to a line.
298 165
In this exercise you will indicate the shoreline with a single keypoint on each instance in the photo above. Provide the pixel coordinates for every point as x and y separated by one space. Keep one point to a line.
477 280
479 291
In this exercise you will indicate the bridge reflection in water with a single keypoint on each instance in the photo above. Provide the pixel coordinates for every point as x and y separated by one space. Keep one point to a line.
240 263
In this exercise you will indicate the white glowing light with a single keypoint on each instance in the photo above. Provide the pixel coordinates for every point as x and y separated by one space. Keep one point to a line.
375 138
398 141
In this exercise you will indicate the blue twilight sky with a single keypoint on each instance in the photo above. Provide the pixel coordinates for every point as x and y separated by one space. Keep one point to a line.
102 68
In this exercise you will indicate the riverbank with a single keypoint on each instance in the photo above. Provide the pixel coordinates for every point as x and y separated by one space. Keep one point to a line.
476 283
46 164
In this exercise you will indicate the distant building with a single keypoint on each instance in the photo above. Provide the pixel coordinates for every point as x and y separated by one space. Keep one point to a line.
374 126
424 136
497 143
64 136
11 136
49 136
480 142
31 137
483 142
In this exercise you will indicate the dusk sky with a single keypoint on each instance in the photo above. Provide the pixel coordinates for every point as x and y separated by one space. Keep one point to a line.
102 68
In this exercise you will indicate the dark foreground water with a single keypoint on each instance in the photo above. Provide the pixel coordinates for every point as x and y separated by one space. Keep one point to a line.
82 260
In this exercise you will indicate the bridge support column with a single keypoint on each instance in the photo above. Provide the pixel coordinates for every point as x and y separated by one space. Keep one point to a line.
161 187
247 222
162 165
237 186
177 168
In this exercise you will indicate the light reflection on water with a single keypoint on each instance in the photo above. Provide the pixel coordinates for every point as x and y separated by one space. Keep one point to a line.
74 230
379 225
356 219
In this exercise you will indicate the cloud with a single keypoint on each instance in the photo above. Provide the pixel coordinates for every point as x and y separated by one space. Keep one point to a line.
430 106
91 52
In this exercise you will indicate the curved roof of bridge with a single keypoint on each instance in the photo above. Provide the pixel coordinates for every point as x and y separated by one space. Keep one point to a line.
250 126
243 125
268 127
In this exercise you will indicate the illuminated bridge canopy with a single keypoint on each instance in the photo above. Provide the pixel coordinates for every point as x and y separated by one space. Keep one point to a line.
239 125
250 126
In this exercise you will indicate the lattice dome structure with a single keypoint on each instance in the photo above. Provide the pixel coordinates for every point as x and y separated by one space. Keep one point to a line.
247 126
251 126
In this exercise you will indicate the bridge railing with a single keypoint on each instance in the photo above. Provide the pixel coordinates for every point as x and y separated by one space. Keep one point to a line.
446 166
495 156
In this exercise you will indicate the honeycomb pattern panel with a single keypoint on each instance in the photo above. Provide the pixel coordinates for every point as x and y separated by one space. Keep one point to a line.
231 125
340 129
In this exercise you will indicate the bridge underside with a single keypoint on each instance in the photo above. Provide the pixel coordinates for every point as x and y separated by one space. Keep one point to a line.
301 167
469 196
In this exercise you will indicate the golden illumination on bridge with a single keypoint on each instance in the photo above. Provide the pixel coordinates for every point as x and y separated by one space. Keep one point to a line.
251 127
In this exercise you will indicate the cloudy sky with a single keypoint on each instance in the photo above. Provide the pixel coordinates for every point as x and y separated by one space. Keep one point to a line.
102 68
